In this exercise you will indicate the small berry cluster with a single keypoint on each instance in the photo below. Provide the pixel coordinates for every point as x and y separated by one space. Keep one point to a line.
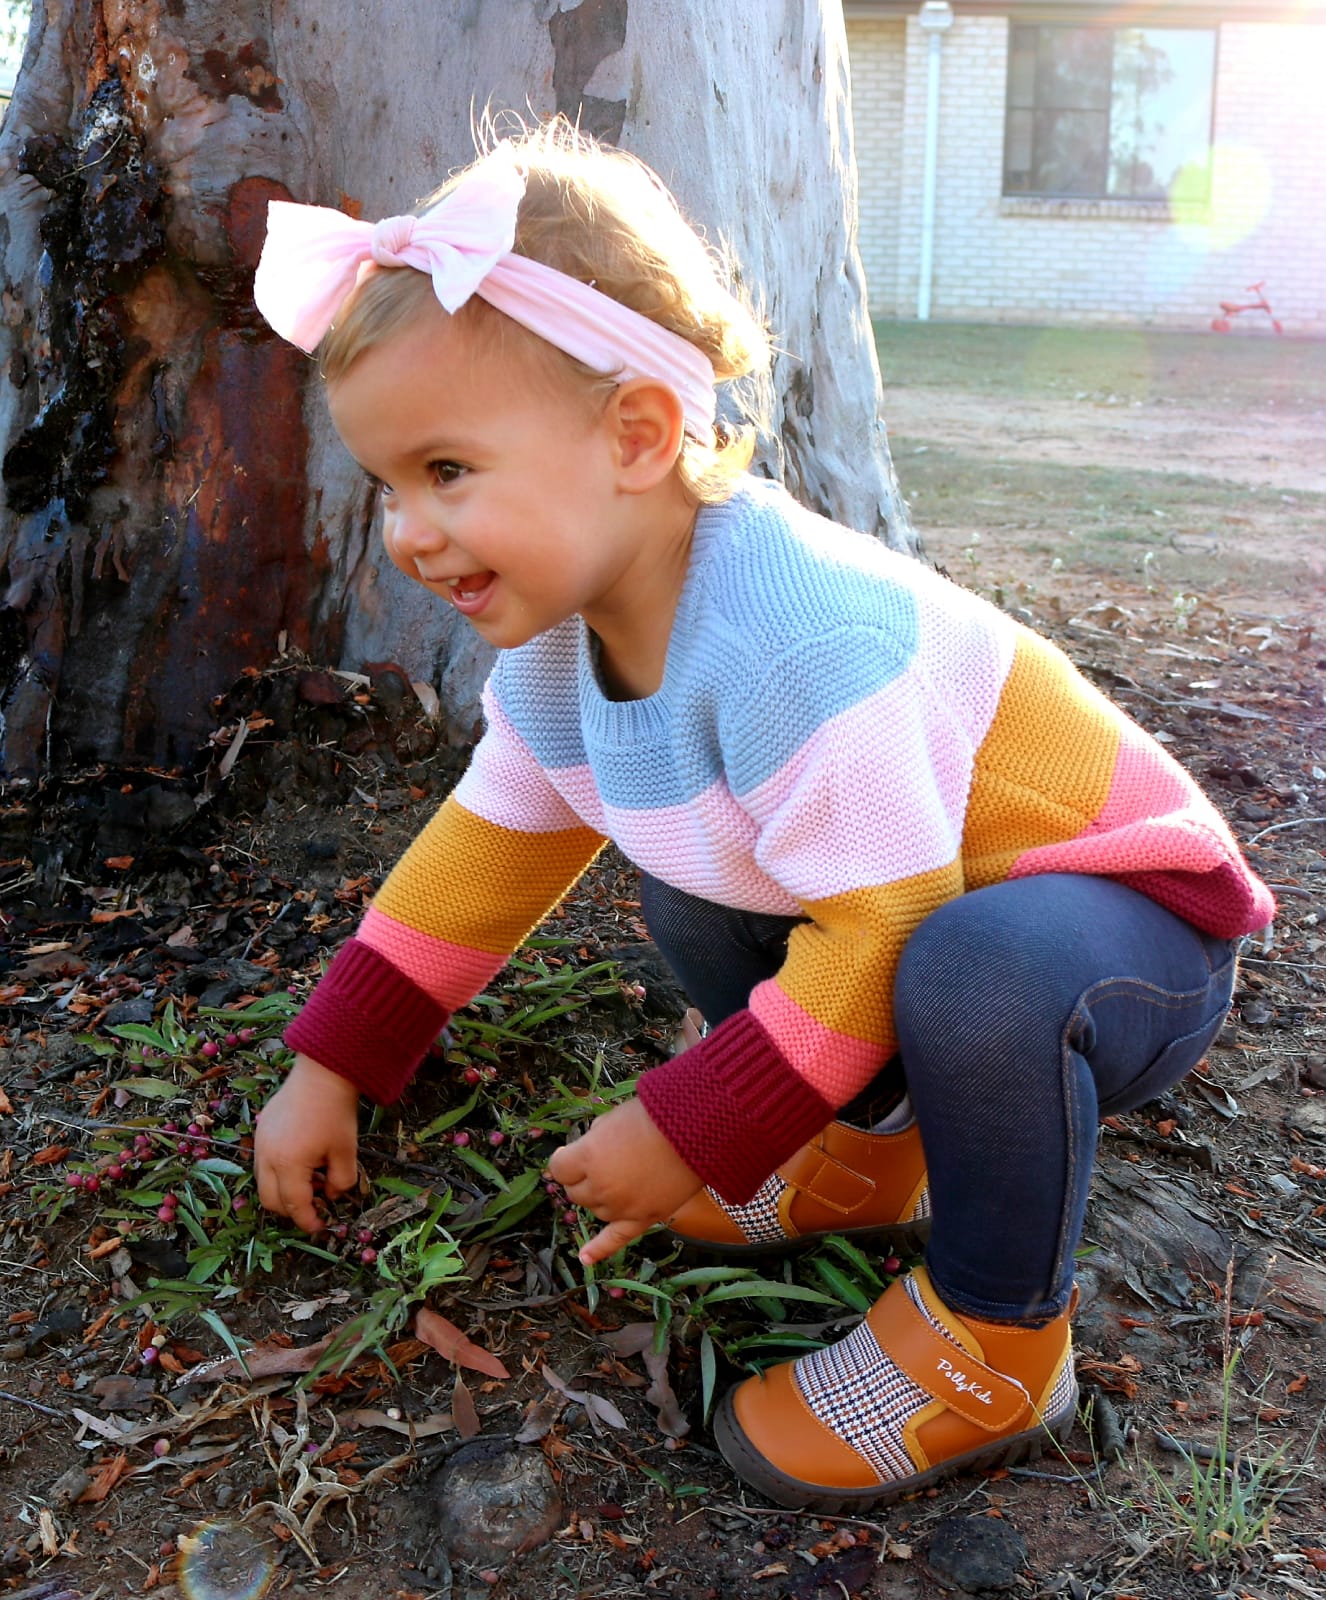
363 1237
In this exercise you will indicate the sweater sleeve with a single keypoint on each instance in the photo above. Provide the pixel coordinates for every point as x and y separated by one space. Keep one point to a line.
499 853
862 824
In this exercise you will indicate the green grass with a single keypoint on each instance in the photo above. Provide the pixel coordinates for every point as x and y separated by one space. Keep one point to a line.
1229 372
1109 518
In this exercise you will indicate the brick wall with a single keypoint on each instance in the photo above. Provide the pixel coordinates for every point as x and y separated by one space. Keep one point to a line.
877 50
1069 261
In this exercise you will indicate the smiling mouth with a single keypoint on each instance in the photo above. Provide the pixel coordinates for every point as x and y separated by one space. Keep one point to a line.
468 592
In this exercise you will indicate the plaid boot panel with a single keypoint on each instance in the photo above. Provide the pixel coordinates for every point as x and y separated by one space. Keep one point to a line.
855 1390
758 1218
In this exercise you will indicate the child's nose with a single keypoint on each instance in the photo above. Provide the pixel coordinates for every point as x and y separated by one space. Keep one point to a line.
408 532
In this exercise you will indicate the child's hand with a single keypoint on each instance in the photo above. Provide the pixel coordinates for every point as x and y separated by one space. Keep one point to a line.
626 1172
310 1123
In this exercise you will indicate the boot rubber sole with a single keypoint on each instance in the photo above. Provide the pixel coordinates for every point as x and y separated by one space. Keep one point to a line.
796 1495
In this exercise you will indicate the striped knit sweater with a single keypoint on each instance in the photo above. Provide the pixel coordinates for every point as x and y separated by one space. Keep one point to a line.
840 734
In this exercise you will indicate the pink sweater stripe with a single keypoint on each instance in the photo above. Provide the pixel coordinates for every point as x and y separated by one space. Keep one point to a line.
833 1064
450 974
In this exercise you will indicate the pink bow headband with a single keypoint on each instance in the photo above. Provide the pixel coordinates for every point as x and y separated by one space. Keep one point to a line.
313 257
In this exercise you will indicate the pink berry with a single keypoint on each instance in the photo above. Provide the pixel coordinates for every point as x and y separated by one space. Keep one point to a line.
148 1356
125 1157
115 1172
91 1184
170 1199
232 1039
184 1147
490 1073
170 1127
247 1035
891 1264
461 1138
161 1447
616 1292
238 1203
570 1217
535 1133
472 1075
368 1256
340 1231
211 1049
74 1179
194 1128
365 1236
166 1213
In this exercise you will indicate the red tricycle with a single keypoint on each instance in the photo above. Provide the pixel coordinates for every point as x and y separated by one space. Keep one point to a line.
1229 309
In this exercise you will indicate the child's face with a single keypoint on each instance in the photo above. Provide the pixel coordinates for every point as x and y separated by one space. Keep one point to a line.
499 494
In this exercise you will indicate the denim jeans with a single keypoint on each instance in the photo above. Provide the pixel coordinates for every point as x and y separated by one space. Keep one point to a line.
1024 1013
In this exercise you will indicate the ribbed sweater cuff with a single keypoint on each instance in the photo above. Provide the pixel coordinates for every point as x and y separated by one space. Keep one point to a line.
733 1108
367 1022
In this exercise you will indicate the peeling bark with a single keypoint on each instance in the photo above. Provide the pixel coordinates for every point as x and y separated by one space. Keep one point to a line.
175 499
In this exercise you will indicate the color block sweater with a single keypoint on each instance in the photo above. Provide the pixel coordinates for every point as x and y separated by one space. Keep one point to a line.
840 734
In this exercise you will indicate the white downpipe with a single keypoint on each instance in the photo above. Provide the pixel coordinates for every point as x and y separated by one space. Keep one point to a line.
936 18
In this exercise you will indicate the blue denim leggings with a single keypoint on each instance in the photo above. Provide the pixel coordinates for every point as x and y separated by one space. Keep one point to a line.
1024 1012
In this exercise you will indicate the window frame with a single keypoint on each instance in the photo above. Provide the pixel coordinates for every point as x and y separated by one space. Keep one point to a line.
1101 197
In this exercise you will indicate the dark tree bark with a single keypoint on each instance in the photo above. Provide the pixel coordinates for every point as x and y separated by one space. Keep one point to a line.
175 502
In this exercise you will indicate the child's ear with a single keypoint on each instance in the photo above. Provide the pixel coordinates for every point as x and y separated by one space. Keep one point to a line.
647 428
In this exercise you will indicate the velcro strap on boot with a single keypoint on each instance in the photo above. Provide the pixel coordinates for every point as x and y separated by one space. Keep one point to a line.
943 1369
821 1178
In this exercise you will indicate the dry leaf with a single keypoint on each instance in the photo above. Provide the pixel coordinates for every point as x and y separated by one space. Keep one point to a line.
108 1475
597 1409
262 1361
540 1418
464 1410
416 1427
447 1339
659 1394
6 1108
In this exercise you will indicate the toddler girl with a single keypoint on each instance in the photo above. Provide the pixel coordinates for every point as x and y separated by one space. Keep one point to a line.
903 856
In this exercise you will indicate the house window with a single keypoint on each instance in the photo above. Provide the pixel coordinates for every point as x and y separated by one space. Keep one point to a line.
1113 113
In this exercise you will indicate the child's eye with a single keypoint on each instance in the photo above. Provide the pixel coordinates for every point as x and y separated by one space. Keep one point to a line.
445 472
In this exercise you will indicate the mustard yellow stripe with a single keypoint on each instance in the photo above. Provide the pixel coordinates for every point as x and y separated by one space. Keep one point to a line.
468 881
841 965
1044 769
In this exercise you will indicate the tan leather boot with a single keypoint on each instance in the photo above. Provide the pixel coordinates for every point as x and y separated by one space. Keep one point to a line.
914 1395
846 1180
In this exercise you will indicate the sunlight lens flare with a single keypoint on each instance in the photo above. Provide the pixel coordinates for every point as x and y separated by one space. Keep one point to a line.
1241 186
224 1561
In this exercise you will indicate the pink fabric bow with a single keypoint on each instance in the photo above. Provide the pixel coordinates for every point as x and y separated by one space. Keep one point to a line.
314 256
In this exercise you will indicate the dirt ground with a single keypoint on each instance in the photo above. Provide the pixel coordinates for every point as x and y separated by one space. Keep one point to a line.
1158 506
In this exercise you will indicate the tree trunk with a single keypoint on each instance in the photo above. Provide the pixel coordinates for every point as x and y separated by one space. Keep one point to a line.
176 498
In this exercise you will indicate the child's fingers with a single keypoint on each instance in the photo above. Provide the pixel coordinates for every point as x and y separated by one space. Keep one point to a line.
342 1173
291 1195
608 1241
565 1166
298 1206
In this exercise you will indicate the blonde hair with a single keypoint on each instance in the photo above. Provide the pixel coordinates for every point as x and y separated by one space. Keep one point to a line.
602 216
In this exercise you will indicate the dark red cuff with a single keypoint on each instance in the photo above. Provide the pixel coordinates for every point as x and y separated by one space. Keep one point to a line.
733 1107
367 1022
